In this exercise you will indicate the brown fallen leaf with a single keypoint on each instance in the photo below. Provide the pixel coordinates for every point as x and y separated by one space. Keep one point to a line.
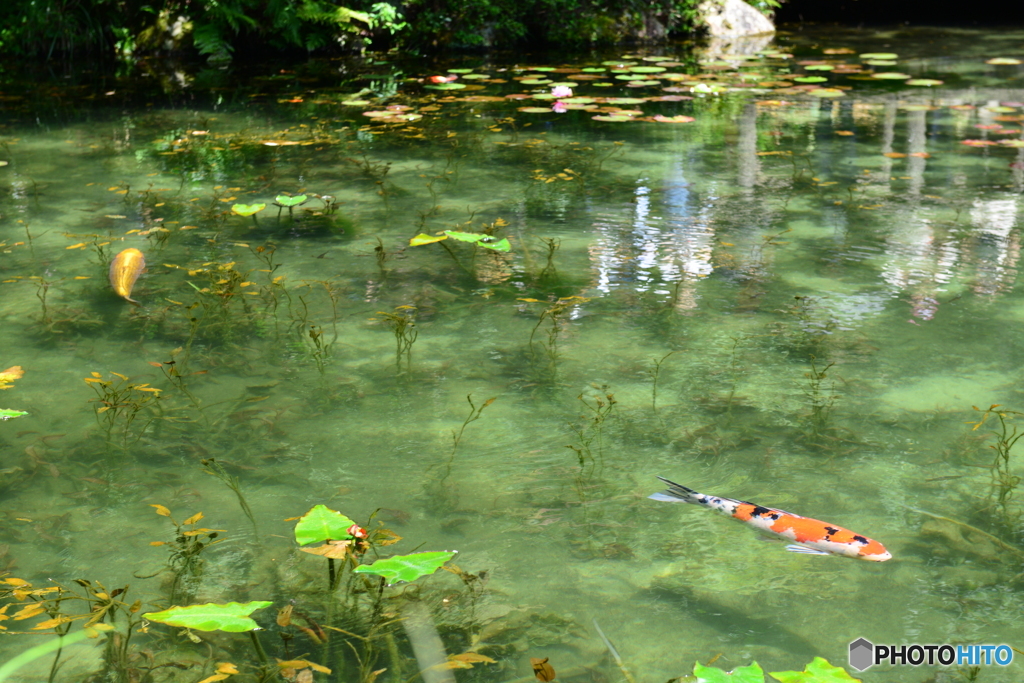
542 670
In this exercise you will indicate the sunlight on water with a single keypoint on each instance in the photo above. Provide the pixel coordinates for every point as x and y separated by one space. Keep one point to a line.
794 299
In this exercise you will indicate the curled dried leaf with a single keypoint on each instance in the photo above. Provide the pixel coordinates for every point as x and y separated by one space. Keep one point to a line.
542 670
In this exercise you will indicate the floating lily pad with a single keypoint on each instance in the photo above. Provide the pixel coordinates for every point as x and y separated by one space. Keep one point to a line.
891 75
826 92
232 617
285 200
614 63
577 100
879 55
926 82
752 673
355 103
535 110
810 79
613 118
819 67
460 71
407 567
624 100
641 84
423 238
647 69
658 118
818 671
473 77
247 209
1004 143
881 62
7 413
1003 61
593 69
535 81
1001 109
563 84
445 86
917 107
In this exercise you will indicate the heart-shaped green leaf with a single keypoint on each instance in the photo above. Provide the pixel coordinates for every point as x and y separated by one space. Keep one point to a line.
7 414
230 616
407 567
423 238
285 200
247 209
741 674
321 524
818 671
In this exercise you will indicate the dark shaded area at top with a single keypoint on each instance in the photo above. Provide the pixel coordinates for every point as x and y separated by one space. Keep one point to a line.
889 12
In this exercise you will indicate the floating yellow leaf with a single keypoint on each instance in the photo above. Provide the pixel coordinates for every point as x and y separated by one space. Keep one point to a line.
161 510
9 375
80 245
214 678
423 238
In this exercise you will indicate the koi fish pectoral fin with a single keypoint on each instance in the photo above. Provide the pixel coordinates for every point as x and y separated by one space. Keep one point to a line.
805 550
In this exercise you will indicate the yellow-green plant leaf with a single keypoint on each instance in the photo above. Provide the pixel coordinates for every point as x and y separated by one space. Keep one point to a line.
230 616
818 671
321 524
247 209
423 238
7 413
407 567
285 200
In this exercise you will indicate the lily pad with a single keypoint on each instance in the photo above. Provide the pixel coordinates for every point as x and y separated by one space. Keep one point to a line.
475 77
752 673
891 75
285 200
818 671
819 67
445 86
613 118
624 100
658 118
810 79
826 92
407 567
593 69
534 110
881 62
247 209
1004 61
535 81
879 55
647 69
460 71
231 616
499 245
423 238
321 524
925 82
7 413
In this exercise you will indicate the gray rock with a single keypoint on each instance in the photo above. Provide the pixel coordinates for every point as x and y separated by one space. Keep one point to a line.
731 18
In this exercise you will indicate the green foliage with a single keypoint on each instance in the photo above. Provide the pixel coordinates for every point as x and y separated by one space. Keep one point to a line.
818 671
7 413
231 616
407 568
322 524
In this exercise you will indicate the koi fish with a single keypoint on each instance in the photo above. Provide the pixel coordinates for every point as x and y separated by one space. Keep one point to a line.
124 271
813 537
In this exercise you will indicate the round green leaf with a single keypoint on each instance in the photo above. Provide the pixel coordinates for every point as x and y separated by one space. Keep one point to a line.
879 55
247 209
460 71
231 616
1003 61
407 567
465 236
827 92
647 69
810 79
593 69
891 75
818 671
881 62
741 674
285 200
321 524
819 67
924 81
446 86
7 414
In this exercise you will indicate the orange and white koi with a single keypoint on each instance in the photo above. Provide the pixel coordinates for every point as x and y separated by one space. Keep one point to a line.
812 536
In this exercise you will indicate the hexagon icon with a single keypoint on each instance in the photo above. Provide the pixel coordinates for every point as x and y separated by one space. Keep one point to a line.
861 654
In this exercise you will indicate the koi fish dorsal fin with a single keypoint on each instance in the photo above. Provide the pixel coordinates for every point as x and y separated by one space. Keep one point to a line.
676 493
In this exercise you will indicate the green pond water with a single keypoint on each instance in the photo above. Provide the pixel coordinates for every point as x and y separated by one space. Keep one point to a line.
795 298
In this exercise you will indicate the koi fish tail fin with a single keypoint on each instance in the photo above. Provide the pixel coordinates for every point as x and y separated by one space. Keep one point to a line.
675 493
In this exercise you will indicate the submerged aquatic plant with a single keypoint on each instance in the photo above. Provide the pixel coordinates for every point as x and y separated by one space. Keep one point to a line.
6 378
186 562
117 406
1004 482
403 325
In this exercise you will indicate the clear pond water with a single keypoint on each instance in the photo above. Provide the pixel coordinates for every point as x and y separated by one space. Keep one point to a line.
785 291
